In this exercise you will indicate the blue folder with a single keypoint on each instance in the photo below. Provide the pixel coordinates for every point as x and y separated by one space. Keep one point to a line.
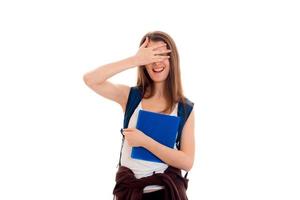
160 127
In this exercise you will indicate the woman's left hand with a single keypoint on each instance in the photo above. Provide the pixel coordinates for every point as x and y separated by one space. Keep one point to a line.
135 137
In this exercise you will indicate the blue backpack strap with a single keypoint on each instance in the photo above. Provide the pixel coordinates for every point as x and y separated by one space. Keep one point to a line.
133 101
184 111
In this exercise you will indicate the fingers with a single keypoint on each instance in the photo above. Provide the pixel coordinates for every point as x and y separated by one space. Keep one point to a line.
145 42
158 45
160 58
126 130
157 52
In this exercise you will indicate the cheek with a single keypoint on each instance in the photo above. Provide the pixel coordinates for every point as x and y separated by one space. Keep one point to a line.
166 63
148 68
167 70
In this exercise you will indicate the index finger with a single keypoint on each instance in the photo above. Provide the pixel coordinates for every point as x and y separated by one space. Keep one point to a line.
127 129
158 45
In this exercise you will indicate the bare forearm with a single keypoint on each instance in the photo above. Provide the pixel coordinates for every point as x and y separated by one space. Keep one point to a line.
173 157
102 73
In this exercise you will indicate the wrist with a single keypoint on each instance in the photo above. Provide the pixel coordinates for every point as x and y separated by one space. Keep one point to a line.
134 61
146 142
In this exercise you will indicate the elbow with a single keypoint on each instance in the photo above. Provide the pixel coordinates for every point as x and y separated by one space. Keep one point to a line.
188 165
86 79
90 80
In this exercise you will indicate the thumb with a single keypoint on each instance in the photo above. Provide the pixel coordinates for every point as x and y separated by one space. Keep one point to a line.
145 42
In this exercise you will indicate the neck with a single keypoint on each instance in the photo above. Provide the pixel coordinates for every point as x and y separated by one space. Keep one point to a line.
159 90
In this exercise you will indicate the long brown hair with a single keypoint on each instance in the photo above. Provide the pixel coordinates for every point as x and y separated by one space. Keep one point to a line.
172 86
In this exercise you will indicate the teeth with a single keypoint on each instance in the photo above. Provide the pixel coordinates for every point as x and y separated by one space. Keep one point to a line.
158 69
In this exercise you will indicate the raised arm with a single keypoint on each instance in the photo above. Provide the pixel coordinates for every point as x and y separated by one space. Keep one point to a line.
97 79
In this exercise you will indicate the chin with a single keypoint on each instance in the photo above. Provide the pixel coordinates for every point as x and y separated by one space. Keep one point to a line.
158 79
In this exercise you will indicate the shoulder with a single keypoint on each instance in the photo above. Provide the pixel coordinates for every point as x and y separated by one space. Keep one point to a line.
185 106
188 102
134 91
135 88
133 97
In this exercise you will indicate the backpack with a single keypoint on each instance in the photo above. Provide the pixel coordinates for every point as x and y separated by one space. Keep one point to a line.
134 99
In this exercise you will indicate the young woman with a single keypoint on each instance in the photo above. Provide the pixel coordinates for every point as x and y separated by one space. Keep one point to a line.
160 90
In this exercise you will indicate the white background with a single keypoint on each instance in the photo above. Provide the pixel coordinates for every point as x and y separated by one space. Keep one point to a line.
240 66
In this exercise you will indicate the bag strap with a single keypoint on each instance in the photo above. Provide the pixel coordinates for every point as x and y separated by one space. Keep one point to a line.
133 101
185 176
184 111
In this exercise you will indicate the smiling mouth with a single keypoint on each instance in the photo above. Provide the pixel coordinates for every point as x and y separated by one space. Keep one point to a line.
158 70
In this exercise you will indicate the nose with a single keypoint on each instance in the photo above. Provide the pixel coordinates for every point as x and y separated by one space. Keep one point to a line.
159 64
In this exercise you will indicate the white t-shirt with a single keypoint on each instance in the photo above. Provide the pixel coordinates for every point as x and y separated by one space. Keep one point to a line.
142 168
